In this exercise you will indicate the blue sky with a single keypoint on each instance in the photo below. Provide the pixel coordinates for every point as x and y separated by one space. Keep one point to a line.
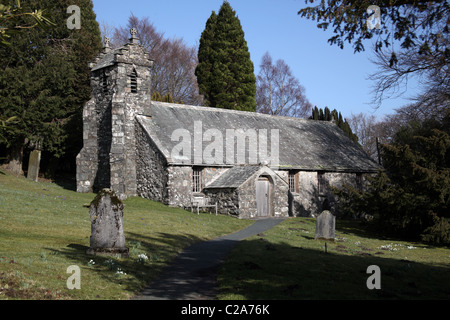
332 77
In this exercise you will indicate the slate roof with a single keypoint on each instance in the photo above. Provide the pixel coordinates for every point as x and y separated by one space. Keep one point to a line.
233 177
106 60
303 144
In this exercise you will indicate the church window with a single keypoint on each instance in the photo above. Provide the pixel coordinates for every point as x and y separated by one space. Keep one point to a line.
321 183
293 181
197 179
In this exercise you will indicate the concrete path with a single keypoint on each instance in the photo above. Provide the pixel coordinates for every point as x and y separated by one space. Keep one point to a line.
192 275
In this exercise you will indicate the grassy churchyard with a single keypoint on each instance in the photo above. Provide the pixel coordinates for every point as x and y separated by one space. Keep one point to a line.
45 229
286 262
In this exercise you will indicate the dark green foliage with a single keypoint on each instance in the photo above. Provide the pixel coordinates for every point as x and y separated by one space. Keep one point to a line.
327 115
12 11
225 73
411 198
315 113
45 79
349 23
206 59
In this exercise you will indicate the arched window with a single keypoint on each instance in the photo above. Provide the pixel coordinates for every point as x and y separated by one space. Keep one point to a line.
133 81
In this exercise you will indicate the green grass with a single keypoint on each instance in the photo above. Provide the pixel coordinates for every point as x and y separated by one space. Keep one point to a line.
45 228
286 262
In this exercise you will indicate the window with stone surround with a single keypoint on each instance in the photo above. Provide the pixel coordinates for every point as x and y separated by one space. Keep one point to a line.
321 183
293 181
197 179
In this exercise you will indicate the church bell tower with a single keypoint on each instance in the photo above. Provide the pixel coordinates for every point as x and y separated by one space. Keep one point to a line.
121 89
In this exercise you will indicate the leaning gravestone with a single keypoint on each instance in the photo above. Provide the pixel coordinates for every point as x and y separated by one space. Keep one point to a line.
325 226
107 237
33 165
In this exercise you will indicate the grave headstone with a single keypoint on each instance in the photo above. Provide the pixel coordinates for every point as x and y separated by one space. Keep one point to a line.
33 165
325 226
107 237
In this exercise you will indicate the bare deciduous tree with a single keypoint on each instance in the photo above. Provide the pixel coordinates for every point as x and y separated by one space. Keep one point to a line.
429 68
107 30
278 92
174 68
364 127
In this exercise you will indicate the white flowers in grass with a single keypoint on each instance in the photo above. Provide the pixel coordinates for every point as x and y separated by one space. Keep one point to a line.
395 247
113 265
142 258
119 272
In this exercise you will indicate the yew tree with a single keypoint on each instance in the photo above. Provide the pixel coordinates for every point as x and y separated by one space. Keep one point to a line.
225 73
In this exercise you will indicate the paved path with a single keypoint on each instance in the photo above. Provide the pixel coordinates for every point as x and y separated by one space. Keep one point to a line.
192 275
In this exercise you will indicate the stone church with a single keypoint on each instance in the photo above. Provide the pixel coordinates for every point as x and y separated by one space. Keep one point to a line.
239 163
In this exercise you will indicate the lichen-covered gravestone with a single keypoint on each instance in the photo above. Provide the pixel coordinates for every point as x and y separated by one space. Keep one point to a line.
325 226
33 165
107 237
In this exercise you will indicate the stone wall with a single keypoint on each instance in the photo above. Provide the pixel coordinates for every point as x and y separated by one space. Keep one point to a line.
87 159
126 104
227 199
151 169
307 201
180 180
179 185
93 162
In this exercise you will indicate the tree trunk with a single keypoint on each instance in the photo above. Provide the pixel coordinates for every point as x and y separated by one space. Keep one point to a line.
15 158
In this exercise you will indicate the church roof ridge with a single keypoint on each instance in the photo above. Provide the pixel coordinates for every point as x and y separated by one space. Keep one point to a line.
232 111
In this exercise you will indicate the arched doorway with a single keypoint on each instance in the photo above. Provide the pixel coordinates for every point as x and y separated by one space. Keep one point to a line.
263 196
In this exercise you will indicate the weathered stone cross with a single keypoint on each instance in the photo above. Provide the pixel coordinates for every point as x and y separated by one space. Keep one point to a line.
133 32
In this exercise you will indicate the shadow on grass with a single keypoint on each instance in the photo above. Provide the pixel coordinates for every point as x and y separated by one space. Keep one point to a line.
250 272
66 181
160 249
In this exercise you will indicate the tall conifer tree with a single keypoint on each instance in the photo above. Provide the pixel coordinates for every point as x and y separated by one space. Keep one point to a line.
225 72
44 80
206 59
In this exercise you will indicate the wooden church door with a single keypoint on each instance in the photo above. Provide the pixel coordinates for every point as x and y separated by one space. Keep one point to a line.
263 197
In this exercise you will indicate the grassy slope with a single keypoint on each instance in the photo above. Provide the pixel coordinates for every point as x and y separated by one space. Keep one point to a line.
286 262
45 228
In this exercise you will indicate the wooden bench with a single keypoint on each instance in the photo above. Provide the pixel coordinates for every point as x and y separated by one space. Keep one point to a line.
202 202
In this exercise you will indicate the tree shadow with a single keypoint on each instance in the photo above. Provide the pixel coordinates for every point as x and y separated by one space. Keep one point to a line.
160 249
302 273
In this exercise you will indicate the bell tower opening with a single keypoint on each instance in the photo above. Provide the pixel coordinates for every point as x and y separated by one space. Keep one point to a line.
133 81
